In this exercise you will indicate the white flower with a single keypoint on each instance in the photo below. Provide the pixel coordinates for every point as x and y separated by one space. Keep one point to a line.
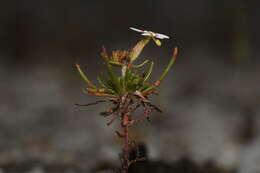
150 33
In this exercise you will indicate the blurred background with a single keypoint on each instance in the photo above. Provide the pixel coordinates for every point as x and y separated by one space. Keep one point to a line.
210 99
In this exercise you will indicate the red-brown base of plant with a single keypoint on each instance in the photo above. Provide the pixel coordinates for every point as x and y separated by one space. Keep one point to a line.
124 107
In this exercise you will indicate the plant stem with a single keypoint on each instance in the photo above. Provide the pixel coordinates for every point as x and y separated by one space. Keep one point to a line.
125 117
125 124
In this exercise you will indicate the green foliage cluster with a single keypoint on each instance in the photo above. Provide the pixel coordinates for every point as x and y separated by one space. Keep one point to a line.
131 79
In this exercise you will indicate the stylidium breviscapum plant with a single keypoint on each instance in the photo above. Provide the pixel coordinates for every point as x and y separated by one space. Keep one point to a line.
128 90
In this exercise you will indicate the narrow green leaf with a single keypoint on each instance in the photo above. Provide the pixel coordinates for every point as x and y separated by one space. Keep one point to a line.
114 63
84 77
148 74
143 87
105 85
142 64
170 64
113 77
102 83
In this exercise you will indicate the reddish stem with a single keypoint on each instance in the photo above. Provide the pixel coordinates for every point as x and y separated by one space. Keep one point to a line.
125 125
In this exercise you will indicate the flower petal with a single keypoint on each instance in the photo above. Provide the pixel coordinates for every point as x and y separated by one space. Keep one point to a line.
161 36
135 29
146 34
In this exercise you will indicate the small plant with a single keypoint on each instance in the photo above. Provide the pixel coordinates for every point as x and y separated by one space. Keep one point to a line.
128 91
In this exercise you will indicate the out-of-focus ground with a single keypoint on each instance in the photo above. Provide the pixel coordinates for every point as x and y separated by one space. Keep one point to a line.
210 99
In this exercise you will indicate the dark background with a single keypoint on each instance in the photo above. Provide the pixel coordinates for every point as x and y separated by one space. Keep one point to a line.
210 99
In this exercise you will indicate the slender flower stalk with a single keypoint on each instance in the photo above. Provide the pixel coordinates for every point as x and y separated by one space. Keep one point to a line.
127 92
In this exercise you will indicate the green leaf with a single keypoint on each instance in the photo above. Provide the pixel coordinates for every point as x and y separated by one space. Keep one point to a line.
84 77
114 80
142 64
170 64
148 74
143 87
102 82
115 63
165 72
